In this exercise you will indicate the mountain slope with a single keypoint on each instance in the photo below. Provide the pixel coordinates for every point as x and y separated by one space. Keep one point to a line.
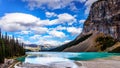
104 17
72 43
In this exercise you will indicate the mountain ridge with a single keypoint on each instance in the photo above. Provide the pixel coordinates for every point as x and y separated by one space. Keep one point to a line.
103 19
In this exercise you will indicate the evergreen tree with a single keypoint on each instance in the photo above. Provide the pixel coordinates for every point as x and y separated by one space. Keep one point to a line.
9 47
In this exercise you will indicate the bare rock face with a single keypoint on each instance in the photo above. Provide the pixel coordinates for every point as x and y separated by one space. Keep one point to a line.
104 17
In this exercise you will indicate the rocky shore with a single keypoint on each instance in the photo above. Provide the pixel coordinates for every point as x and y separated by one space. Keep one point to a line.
7 63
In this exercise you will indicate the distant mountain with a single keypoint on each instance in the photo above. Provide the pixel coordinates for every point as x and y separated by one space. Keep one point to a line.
31 45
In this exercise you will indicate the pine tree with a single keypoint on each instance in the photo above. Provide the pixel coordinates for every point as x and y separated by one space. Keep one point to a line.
9 47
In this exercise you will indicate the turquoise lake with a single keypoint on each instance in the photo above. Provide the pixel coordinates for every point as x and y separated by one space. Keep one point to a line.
53 57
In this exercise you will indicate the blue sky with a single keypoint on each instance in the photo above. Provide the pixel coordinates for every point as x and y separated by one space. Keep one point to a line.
44 22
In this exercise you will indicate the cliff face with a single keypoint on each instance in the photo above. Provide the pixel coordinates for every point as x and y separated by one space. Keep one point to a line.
104 17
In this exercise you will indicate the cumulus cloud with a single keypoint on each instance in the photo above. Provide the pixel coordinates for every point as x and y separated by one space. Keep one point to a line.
24 32
61 19
40 30
17 21
58 34
65 17
60 28
22 18
35 37
45 40
82 1
66 41
50 42
22 21
81 21
24 24
58 4
74 30
88 4
51 4
12 27
50 14
22 40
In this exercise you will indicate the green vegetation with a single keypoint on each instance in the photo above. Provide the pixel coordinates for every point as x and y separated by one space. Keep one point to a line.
105 42
117 50
10 47
72 43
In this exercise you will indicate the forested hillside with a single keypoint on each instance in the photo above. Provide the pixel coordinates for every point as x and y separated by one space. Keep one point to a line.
9 47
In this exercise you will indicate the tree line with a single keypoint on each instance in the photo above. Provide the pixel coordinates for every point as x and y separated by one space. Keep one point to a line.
10 47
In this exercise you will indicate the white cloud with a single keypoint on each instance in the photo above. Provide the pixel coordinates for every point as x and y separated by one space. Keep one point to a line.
74 30
58 4
47 37
65 17
50 14
88 5
17 21
50 42
40 30
41 40
11 26
58 34
82 1
47 22
60 28
22 18
82 21
22 40
35 37
73 7
24 32
51 4
66 41
61 19
45 40
25 24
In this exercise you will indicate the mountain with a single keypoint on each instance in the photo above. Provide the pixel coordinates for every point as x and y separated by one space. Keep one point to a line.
104 17
102 29
31 45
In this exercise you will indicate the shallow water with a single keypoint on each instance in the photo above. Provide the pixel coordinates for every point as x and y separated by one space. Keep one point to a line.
46 58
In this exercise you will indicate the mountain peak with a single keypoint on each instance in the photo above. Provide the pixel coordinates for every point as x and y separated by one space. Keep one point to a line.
104 17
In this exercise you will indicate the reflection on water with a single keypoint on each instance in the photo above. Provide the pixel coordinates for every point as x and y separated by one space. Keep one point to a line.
46 58
51 59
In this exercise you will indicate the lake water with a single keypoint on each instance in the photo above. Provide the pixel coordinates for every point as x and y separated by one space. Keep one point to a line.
54 57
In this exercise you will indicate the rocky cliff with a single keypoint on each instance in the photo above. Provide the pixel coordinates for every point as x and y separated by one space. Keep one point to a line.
104 17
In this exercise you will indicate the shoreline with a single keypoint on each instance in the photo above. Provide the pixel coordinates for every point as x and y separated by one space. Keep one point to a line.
80 64
100 64
7 63
111 62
